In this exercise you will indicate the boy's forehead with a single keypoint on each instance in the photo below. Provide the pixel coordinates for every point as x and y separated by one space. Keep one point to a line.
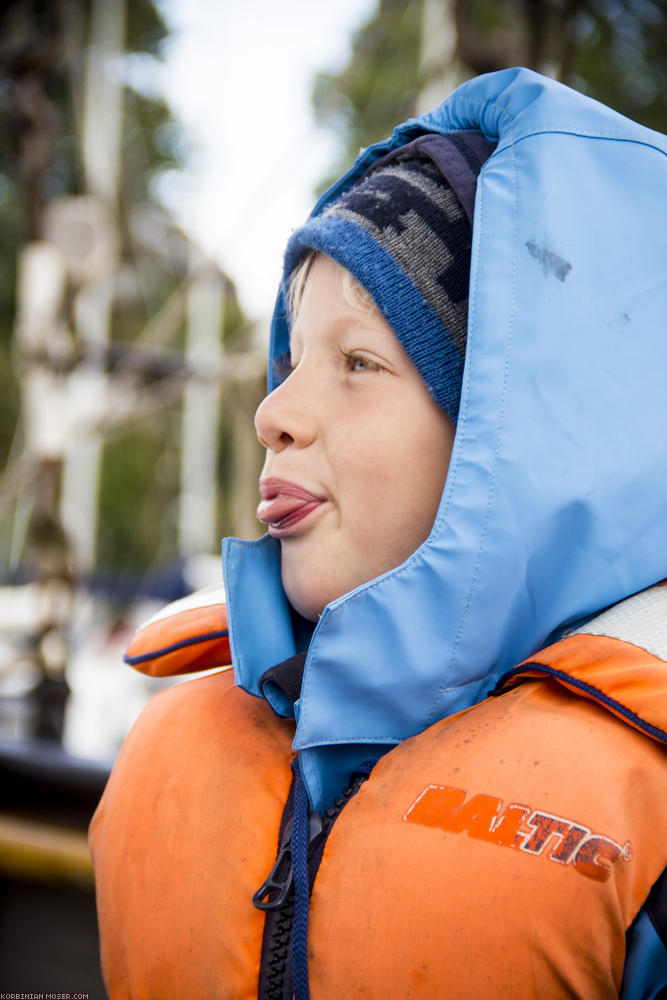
333 302
321 298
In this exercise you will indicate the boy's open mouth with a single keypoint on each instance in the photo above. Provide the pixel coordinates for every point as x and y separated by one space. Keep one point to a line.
283 504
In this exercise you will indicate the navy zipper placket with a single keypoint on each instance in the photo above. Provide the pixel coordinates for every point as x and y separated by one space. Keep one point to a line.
276 896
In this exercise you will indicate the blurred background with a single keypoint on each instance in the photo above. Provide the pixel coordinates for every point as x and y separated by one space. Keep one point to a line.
154 157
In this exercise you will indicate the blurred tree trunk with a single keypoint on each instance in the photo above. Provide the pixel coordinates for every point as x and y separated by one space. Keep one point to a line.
64 302
440 68
40 294
517 33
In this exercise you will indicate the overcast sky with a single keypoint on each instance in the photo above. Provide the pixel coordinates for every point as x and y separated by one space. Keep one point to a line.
238 76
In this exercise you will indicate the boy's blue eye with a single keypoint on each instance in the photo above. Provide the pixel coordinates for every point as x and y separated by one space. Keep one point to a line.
282 367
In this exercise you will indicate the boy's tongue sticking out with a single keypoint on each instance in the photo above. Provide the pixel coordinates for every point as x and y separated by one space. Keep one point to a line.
284 503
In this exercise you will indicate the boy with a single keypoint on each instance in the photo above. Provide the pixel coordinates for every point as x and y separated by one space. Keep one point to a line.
454 822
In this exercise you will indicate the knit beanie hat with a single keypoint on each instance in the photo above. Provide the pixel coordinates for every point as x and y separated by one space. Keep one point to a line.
404 231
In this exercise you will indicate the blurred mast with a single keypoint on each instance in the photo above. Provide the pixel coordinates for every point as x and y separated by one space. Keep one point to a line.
102 110
197 515
100 150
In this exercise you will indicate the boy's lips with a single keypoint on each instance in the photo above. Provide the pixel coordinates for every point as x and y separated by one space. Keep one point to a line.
284 504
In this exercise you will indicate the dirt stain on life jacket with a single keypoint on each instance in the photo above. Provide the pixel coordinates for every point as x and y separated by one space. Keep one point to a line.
550 262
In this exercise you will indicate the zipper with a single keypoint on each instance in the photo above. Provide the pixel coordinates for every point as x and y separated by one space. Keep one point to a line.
276 894
276 971
275 897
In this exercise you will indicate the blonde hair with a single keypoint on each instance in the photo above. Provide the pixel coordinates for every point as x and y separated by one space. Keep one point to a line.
354 294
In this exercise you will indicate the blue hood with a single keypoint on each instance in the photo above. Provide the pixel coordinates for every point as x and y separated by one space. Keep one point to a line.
554 505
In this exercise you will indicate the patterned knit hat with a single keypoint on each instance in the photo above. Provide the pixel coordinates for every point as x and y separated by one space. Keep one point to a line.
405 231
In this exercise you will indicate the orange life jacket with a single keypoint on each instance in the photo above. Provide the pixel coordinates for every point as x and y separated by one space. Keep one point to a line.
503 852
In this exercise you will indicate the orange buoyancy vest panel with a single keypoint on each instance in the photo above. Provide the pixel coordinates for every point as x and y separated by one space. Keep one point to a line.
504 852
185 833
186 636
618 659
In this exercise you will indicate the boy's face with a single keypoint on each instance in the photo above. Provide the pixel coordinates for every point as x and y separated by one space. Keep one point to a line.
357 451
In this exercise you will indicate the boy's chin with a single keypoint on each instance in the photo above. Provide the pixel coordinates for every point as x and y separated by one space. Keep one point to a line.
307 597
310 584
307 604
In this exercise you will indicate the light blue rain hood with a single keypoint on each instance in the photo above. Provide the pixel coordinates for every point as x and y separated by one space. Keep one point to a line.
555 500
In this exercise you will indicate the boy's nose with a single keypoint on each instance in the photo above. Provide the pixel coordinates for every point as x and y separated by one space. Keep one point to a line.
285 417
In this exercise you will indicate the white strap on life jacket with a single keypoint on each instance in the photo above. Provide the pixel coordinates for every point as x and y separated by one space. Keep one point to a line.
640 620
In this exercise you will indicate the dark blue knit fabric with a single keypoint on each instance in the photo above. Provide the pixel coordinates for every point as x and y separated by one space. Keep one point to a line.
417 326
404 232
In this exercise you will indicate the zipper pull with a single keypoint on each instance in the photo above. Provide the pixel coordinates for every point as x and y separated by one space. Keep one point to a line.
275 889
